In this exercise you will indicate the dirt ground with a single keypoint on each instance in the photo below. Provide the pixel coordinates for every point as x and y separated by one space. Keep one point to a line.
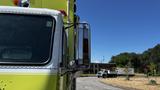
136 82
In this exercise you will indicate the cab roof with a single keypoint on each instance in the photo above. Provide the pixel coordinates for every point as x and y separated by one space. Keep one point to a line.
24 10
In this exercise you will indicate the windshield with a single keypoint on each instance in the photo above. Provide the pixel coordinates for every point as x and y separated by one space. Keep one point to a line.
25 39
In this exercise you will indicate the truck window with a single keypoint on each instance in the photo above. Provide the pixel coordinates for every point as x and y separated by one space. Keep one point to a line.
25 39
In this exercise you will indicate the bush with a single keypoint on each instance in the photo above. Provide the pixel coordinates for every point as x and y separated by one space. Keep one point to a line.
152 82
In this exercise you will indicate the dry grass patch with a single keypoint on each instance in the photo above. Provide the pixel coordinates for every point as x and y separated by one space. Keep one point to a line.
137 83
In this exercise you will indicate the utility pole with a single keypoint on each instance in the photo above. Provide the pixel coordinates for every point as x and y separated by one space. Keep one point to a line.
102 61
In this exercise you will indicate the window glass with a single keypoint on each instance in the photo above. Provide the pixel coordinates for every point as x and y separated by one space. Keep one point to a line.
25 39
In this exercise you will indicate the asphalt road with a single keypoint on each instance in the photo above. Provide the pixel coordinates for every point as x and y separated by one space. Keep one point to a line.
93 83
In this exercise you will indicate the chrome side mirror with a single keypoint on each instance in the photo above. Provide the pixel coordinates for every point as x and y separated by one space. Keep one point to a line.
83 44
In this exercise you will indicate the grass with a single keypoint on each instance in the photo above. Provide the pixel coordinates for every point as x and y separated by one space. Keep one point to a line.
87 75
136 82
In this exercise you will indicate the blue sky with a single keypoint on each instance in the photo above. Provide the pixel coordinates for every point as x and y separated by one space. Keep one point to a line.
121 25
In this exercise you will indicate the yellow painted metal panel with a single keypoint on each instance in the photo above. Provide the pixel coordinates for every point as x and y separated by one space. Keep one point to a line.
6 3
28 82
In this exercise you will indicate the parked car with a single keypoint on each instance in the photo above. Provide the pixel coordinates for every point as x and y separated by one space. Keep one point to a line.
106 73
101 74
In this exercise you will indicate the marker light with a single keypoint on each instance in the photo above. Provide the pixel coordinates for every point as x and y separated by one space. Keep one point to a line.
16 2
63 13
21 3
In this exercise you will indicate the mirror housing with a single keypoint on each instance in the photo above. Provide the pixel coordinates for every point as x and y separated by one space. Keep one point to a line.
83 45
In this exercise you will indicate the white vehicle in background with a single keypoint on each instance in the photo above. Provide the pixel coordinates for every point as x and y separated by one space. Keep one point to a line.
122 71
106 73
101 74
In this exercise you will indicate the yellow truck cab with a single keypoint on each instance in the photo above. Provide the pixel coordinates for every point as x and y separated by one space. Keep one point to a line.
30 53
41 48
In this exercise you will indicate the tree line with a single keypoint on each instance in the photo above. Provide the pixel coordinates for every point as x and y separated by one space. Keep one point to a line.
148 61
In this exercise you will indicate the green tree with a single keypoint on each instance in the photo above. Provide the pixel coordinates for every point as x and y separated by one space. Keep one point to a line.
152 67
141 61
